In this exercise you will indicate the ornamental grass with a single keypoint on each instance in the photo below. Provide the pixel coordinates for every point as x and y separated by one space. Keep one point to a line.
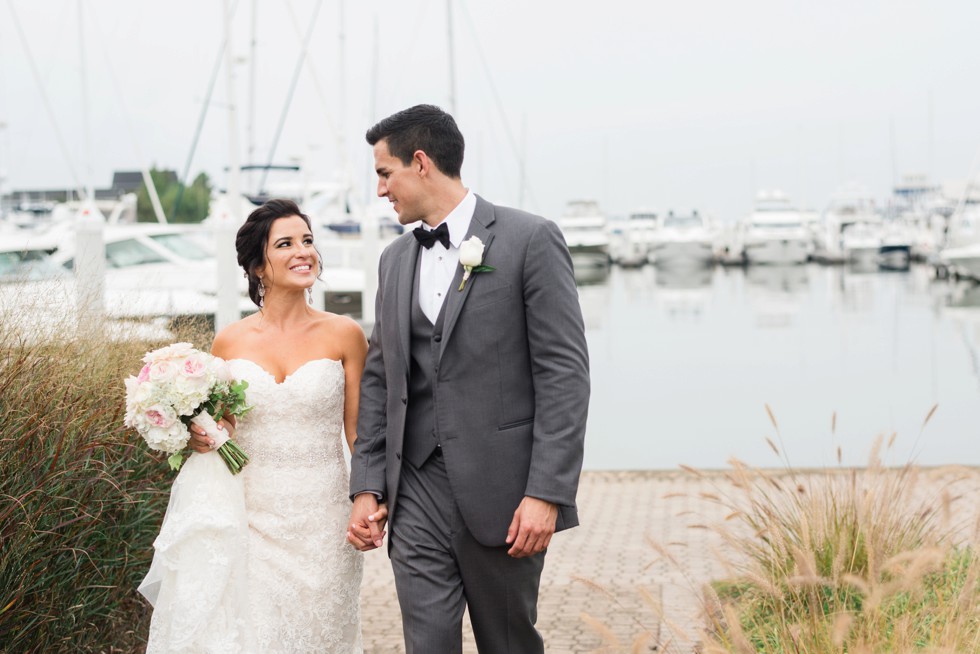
81 497
854 561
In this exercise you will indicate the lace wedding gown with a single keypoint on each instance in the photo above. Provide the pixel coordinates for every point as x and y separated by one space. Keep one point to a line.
283 579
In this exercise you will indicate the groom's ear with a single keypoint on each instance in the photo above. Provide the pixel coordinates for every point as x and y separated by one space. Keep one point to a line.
421 163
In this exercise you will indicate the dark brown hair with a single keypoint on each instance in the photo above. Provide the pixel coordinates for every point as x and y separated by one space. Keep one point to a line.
253 238
423 127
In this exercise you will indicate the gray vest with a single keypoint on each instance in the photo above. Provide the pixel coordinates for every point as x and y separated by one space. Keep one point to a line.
421 438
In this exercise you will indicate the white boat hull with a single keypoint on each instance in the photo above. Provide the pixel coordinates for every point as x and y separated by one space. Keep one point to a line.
681 253
777 252
964 261
864 255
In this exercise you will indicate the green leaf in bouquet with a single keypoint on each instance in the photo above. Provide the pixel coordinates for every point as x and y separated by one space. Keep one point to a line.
176 460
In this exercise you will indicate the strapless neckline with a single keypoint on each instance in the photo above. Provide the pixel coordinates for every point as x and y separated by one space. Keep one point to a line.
293 373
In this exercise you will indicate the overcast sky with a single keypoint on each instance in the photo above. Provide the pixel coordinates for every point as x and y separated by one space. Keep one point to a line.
636 104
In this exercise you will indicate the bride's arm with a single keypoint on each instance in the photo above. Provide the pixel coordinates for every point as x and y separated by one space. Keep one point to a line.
201 442
354 352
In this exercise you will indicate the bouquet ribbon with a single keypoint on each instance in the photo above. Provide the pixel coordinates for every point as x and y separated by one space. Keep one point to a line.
210 427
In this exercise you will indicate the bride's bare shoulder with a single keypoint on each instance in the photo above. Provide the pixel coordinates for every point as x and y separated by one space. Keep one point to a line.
229 340
340 329
338 325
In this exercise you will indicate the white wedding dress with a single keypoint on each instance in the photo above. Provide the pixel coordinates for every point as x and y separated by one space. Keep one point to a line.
264 567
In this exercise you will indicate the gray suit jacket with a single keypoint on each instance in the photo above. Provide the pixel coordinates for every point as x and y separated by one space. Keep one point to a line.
512 379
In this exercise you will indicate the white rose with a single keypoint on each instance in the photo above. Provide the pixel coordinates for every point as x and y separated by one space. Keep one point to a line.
193 387
471 252
175 351
221 370
143 392
162 371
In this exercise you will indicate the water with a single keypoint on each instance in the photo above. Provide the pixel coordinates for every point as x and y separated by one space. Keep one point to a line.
683 365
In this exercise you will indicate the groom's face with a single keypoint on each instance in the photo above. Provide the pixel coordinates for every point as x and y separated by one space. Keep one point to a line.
399 183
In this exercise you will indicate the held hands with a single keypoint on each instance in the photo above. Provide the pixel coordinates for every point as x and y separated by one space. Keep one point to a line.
202 443
532 527
367 521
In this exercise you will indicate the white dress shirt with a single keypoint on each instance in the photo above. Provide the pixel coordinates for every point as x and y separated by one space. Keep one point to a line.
438 265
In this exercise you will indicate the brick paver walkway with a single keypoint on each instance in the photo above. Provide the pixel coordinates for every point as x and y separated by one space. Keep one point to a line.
605 585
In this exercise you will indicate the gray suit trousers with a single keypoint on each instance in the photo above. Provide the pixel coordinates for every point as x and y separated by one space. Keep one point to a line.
433 556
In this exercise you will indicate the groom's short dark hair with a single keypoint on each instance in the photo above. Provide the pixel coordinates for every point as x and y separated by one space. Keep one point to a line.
422 127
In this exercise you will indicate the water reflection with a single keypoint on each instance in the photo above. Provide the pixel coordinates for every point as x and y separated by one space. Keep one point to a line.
683 292
683 362
589 274
776 293
962 306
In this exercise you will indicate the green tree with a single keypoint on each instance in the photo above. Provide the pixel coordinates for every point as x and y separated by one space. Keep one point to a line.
194 202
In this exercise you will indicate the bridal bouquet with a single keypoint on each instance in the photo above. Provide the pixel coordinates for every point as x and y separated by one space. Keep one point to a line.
180 386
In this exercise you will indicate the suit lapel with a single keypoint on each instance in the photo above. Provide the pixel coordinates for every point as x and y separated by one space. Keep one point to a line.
482 219
406 279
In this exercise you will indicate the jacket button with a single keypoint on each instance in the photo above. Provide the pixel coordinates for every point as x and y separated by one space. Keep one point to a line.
437 338
398 455
404 400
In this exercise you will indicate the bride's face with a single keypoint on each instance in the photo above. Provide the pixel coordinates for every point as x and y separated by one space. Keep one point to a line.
291 261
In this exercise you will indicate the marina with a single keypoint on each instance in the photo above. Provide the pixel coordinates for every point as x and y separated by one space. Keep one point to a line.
684 364
686 352
773 216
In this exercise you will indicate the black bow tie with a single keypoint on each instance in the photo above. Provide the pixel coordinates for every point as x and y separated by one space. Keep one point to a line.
427 238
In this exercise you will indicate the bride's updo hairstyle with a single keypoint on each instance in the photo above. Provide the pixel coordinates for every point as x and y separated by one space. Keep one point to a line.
253 238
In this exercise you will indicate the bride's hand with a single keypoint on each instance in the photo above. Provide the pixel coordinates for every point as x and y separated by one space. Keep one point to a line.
367 519
201 443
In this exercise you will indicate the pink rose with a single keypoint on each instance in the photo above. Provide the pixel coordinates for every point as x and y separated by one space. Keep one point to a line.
194 366
144 374
159 416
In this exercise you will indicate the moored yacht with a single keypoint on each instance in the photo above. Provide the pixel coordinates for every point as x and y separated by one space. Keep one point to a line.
774 233
852 229
964 261
684 239
584 227
630 239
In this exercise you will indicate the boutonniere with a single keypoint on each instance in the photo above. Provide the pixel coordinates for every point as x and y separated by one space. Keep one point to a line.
471 258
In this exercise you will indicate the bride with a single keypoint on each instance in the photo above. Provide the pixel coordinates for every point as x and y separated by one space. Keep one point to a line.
299 583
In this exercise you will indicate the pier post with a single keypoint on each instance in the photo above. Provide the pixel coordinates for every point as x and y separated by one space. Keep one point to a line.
90 266
225 223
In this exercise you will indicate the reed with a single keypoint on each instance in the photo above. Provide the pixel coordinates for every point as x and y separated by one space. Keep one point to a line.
81 498
843 561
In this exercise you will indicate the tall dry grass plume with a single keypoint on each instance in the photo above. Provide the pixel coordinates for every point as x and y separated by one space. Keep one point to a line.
81 498
844 560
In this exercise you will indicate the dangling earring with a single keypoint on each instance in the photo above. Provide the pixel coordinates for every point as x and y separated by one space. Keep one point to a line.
309 295
261 292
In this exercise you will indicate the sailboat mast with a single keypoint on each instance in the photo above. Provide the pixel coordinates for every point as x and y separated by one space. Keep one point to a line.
86 135
227 222
252 85
451 58
234 166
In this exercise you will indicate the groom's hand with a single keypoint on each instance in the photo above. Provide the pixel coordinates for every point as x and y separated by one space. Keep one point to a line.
367 519
532 527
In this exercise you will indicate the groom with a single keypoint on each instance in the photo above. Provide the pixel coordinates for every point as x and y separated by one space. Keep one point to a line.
473 400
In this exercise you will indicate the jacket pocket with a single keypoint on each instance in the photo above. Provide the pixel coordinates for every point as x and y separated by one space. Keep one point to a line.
515 425
483 296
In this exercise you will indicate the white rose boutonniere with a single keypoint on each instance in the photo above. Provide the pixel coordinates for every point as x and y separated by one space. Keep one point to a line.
471 258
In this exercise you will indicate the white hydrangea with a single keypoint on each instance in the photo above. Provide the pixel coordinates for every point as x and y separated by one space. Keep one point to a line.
175 382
